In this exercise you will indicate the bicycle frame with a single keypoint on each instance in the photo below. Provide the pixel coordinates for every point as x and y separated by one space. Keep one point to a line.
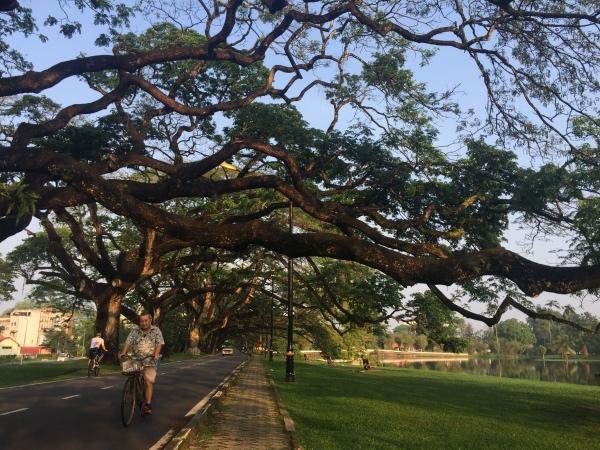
94 365
133 394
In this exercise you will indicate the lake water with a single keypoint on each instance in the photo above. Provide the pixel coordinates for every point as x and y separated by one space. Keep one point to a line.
577 372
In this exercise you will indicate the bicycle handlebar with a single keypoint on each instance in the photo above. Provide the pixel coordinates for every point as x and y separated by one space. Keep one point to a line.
129 357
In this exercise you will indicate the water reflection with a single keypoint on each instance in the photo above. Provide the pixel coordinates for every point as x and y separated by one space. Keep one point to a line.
577 372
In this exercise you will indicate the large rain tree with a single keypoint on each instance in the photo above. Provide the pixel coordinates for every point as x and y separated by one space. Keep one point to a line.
223 84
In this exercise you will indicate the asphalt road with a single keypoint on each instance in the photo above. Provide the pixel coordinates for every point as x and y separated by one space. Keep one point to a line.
85 413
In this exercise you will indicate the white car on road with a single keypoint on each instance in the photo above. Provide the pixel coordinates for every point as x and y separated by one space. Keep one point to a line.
227 350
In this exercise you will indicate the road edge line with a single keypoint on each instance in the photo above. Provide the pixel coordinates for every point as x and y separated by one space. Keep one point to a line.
81 378
37 383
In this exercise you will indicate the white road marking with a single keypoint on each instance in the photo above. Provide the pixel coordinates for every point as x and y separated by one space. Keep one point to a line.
198 406
106 387
14 411
85 377
41 382
163 441
162 373
70 396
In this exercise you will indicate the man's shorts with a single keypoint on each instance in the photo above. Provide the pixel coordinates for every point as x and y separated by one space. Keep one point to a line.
149 374
93 352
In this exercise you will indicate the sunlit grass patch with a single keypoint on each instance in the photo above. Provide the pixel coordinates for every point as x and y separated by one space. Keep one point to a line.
344 408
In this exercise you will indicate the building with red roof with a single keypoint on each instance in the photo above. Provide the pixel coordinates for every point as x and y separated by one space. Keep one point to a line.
32 351
8 346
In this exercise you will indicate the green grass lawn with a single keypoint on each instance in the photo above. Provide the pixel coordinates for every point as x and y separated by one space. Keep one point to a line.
32 372
38 371
342 408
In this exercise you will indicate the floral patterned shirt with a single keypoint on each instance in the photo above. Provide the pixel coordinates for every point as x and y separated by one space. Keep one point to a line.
142 343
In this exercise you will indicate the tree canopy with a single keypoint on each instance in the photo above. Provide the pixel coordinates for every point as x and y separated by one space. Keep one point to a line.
197 136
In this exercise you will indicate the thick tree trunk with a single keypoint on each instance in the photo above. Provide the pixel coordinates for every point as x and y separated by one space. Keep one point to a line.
220 337
194 340
213 338
107 323
198 310
157 316
208 343
203 312
194 334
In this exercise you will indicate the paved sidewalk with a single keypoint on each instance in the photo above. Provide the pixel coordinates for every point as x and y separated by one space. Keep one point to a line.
248 417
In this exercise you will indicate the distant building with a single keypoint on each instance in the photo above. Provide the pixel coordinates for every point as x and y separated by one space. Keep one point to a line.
27 327
4 325
9 346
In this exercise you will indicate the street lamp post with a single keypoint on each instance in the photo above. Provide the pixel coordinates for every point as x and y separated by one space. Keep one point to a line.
83 344
289 356
25 337
271 330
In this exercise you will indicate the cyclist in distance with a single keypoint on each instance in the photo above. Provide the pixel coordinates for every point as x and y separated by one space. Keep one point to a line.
97 347
143 342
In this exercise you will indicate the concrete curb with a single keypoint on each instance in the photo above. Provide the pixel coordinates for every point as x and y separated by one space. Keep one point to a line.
180 440
290 427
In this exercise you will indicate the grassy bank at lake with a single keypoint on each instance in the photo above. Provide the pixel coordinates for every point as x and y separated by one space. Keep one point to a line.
343 408
574 358
39 371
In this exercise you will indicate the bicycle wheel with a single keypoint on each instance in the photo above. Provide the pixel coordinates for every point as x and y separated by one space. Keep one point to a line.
140 394
90 367
128 401
97 370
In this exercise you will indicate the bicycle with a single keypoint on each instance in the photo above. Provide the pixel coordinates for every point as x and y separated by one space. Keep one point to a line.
94 365
134 388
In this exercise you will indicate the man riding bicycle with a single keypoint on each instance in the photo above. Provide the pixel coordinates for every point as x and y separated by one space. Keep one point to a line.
145 341
96 347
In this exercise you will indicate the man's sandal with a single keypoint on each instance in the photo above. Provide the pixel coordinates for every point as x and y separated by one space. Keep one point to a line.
147 409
